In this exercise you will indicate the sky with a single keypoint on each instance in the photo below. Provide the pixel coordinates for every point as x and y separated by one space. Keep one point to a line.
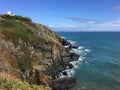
68 15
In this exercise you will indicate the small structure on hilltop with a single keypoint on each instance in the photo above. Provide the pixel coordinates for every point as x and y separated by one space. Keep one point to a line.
9 13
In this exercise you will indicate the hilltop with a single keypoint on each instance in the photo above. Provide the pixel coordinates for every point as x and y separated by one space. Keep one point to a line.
33 53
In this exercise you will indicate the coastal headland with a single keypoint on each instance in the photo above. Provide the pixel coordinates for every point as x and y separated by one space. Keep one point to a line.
31 52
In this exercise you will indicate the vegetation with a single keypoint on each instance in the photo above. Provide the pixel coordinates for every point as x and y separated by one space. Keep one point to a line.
6 84
15 17
26 60
25 40
14 31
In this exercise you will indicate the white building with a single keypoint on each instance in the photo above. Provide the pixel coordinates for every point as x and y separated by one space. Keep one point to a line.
9 13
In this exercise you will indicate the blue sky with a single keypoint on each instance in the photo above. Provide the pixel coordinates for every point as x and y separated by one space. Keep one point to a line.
68 15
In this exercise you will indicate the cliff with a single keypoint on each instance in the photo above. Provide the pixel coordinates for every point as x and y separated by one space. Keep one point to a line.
32 52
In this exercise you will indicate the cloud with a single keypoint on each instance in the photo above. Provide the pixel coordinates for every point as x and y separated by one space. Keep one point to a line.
67 27
64 25
117 8
109 25
83 20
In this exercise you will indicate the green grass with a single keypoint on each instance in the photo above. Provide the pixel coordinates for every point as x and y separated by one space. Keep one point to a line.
26 60
6 84
14 31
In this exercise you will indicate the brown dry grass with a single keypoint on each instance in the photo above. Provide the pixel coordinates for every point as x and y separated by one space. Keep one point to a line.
9 76
2 36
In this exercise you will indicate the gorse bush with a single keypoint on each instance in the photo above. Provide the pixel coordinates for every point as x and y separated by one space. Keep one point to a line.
6 84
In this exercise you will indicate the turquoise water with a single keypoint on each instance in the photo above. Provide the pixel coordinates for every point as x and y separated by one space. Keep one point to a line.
101 67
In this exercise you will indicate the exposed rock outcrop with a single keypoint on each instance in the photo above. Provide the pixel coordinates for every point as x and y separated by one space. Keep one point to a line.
35 53
63 83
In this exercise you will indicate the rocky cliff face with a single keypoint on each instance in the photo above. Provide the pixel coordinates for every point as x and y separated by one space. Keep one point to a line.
31 51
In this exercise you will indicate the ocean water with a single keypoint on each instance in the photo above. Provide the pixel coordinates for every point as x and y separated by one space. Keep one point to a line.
99 65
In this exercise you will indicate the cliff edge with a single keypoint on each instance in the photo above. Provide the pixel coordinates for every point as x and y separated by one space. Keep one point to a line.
33 53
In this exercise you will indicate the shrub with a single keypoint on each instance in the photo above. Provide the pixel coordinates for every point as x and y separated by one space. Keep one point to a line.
18 85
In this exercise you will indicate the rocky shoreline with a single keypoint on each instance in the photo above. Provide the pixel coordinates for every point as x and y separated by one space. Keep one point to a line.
61 79
55 76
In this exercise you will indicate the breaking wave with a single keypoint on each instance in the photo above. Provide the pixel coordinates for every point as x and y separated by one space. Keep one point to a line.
82 51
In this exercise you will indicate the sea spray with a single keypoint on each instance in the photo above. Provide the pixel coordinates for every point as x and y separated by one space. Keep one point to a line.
81 51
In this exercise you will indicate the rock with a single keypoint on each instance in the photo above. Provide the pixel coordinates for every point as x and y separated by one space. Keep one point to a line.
63 83
64 73
70 66
65 42
74 56
66 58
73 47
67 50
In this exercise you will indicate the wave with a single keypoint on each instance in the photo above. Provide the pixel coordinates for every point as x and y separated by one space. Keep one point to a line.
71 72
82 51
72 42
62 37
81 47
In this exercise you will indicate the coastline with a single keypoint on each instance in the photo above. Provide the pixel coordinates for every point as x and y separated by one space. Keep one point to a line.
41 60
64 78
98 69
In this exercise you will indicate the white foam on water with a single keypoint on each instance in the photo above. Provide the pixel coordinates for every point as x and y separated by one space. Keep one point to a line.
70 72
87 50
62 37
72 51
72 42
67 46
82 51
81 58
76 64
78 51
80 47
61 75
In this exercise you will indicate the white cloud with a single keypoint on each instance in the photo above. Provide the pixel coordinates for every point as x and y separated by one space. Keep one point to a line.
64 25
83 20
111 25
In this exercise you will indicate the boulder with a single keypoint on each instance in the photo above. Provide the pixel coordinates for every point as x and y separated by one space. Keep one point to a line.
73 47
71 66
64 73
65 42
63 83
74 56
66 58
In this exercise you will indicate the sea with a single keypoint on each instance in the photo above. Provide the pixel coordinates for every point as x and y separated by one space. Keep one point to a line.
98 67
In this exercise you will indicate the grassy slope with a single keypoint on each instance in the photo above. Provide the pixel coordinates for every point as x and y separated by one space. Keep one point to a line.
14 29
